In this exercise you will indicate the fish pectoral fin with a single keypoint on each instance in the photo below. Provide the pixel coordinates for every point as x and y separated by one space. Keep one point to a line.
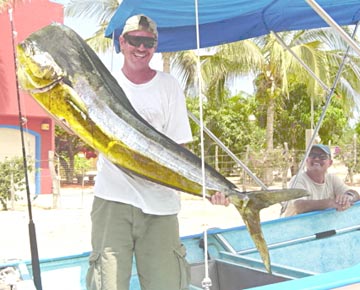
264 198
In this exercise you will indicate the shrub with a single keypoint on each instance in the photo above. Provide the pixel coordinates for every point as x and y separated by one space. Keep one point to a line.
11 175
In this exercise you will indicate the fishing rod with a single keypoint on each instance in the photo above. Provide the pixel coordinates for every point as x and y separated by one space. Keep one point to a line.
32 233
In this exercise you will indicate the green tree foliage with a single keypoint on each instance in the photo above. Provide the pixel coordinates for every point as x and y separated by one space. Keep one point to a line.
348 152
230 122
293 118
12 179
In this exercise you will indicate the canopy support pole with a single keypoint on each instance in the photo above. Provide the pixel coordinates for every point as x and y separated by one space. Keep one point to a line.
228 151
206 282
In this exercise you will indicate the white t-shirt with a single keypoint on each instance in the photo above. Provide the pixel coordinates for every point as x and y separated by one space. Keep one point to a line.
332 186
161 102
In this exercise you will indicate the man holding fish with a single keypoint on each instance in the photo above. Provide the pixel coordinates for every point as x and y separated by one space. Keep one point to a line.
131 215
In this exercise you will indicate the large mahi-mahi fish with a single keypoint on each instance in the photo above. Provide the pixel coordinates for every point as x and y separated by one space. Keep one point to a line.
65 76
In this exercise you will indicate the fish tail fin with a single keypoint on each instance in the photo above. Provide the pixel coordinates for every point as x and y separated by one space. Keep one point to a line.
249 207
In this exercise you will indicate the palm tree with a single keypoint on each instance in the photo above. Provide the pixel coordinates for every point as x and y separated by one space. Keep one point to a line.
264 57
101 12
322 51
220 66
4 4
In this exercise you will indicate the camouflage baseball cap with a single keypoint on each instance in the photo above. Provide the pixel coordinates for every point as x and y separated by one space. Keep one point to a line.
140 22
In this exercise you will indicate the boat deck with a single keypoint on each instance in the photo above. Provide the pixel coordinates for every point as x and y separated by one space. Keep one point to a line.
317 250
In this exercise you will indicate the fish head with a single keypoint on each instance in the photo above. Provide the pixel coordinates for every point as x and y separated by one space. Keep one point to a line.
41 73
37 70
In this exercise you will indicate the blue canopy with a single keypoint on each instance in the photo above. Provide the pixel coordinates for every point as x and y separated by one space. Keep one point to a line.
224 21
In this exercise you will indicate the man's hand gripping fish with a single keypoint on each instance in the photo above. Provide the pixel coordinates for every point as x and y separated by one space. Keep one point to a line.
65 76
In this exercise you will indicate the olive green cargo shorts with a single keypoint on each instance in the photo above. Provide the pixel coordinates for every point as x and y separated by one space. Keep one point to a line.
119 231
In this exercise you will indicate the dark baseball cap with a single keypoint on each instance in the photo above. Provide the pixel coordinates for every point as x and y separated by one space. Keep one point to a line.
322 147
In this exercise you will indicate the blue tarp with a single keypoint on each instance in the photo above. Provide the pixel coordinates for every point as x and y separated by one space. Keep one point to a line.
224 21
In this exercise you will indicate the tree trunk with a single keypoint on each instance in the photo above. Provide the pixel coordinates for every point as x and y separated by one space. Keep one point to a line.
270 124
269 140
166 61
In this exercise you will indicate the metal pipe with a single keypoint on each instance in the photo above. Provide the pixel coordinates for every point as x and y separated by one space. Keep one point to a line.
224 242
320 235
227 150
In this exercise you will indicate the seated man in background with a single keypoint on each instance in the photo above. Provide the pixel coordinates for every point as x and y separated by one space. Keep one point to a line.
326 190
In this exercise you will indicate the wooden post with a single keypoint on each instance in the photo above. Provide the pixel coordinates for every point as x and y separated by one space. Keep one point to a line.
55 179
286 166
12 191
246 162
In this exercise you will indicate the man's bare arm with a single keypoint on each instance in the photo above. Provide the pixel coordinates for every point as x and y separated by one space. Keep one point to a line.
302 205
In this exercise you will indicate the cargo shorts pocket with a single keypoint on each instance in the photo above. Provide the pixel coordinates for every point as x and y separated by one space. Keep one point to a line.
104 273
93 276
184 267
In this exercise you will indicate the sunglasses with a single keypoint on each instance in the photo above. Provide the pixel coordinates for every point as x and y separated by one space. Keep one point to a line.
319 155
148 42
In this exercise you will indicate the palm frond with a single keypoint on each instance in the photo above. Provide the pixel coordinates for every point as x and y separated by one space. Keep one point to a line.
98 42
100 10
